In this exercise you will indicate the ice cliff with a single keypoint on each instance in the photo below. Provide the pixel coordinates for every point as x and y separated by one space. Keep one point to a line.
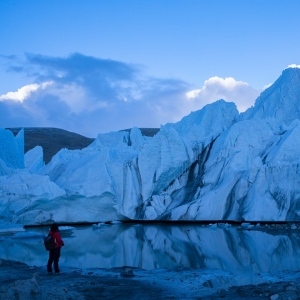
212 165
280 101
12 149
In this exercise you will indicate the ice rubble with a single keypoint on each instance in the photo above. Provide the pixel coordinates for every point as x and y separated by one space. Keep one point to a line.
212 165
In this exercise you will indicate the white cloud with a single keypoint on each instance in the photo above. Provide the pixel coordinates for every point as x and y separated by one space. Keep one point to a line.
293 66
193 94
24 92
89 95
229 89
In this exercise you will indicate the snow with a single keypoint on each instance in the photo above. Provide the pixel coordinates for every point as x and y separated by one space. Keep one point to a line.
214 164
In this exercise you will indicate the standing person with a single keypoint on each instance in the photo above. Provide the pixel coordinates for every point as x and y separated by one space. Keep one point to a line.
55 253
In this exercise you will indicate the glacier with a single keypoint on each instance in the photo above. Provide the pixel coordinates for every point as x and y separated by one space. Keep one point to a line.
214 164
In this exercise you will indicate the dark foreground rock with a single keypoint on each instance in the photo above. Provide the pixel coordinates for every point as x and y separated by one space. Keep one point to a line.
19 281
279 290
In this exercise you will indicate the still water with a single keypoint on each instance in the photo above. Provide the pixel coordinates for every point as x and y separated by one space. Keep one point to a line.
160 246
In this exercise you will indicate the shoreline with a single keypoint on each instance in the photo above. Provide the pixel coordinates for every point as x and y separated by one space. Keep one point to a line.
20 281
172 222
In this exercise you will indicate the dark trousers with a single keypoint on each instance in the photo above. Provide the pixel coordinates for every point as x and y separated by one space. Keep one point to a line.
53 257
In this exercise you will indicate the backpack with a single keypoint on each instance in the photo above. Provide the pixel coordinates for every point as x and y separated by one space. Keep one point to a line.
49 243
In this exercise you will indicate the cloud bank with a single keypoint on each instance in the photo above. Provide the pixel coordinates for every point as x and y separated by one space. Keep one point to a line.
229 89
90 95
24 92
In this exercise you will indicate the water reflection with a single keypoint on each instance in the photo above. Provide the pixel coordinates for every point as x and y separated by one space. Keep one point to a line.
162 246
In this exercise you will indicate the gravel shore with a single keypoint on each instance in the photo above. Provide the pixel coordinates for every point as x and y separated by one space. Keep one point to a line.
19 281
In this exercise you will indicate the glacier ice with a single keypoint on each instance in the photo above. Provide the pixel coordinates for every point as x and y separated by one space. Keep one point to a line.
34 159
214 164
12 148
175 150
280 101
233 163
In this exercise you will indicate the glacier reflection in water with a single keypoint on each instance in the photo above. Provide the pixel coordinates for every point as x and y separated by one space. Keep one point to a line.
162 246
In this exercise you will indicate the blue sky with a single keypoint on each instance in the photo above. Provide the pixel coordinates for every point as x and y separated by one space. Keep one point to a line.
96 66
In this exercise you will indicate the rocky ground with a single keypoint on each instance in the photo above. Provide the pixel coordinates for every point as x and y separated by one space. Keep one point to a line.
19 281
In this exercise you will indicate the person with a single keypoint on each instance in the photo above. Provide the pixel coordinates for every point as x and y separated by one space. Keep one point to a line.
55 253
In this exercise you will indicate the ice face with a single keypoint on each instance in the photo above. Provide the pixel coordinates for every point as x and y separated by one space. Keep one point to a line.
280 101
276 188
212 165
12 148
34 159
174 152
234 160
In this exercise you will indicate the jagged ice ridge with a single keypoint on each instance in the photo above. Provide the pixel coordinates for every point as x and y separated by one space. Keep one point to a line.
215 164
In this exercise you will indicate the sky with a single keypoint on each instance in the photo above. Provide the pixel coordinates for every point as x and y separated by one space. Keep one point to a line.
98 66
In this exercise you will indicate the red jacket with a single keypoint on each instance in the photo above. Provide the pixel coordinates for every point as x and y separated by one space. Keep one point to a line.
57 238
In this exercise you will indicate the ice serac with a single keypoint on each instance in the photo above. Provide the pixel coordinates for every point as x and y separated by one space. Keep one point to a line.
275 192
252 169
34 159
134 177
280 101
136 138
103 174
112 139
174 152
4 169
12 148
26 197
32 199
233 163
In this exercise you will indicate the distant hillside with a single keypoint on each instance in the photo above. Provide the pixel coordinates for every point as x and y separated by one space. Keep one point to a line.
54 139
